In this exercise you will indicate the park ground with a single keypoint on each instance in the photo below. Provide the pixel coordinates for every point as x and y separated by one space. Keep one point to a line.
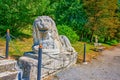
17 47
104 67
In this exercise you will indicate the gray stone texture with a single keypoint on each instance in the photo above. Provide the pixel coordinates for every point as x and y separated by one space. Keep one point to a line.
57 52
8 70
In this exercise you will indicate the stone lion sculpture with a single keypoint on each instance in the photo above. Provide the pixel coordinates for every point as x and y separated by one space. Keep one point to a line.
45 33
57 52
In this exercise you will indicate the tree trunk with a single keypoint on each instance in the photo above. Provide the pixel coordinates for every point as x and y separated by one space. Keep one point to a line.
91 38
106 39
81 36
86 35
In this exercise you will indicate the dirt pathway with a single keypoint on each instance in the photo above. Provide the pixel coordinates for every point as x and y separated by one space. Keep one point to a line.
106 67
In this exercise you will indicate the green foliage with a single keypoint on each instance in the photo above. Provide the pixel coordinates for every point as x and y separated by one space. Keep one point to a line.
67 31
118 29
86 17
102 19
71 12
3 29
19 14
13 32
112 42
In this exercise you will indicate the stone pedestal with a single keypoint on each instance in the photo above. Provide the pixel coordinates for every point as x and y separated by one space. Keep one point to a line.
51 63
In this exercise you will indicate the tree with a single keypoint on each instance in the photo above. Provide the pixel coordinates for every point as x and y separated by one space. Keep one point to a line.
102 19
118 15
71 13
18 14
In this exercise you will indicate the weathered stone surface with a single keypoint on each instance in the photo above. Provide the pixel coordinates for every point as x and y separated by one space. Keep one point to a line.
8 75
8 69
57 52
66 45
25 64
7 65
45 33
49 66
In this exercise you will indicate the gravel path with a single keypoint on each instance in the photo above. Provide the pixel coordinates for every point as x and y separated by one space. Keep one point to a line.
106 67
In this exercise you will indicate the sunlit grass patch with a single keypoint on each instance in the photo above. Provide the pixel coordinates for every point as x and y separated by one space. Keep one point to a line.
90 53
2 47
17 47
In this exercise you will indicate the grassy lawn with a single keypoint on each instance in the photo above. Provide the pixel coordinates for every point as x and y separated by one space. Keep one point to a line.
90 53
19 46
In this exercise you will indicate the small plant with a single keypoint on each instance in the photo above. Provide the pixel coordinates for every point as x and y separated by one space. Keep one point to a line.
67 31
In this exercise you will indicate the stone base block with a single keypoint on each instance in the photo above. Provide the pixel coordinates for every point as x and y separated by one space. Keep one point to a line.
52 63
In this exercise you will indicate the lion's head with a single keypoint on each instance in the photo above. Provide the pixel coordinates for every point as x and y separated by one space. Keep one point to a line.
45 32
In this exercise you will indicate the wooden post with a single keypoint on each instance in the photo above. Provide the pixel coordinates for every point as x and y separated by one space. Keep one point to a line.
39 62
7 43
84 56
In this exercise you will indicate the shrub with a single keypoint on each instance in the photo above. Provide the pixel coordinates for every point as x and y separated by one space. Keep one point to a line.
67 31
112 42
3 29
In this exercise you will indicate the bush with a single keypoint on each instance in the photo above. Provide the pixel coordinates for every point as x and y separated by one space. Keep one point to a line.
3 29
112 42
13 31
67 31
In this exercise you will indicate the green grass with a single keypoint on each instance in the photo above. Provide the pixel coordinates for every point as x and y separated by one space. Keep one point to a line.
19 46
90 50
106 45
79 47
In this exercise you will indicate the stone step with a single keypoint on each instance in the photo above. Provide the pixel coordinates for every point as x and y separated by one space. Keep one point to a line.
8 75
7 65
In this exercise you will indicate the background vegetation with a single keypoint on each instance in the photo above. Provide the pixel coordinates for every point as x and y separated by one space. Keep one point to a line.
87 18
79 20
